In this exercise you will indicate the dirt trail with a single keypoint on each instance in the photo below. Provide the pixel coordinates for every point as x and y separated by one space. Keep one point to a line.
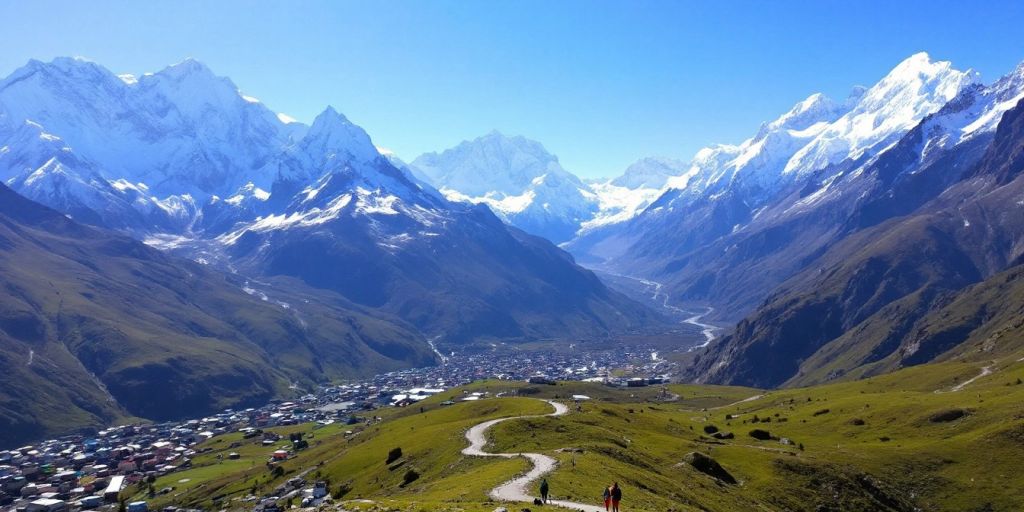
520 488
987 370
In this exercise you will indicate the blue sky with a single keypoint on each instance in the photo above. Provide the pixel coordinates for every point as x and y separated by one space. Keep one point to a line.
600 83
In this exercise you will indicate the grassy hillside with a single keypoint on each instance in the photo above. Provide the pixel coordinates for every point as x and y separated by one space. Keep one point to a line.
95 326
924 438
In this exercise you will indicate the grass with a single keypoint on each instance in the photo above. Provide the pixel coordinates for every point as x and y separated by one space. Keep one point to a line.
863 445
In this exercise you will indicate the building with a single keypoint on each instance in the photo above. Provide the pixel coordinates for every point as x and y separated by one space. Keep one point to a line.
138 506
114 488
46 505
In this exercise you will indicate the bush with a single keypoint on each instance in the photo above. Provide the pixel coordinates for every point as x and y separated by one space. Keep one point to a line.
710 429
393 455
760 434
857 422
709 466
948 415
410 477
343 489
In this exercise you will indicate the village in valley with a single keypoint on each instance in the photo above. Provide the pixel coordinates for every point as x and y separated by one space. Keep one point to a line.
102 470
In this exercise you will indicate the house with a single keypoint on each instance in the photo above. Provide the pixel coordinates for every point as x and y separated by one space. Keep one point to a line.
320 489
91 502
46 505
114 488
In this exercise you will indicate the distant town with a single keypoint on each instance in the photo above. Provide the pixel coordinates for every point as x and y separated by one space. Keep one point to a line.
93 472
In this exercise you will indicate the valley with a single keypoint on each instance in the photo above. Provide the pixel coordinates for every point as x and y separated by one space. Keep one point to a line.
207 304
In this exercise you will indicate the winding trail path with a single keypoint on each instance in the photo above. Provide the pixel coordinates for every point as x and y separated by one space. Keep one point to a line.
985 371
519 488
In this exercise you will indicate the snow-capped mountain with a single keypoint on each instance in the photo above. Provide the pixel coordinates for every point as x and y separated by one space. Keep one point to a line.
649 173
517 178
690 237
718 190
622 198
319 204
53 174
526 186
180 130
912 257
371 233
913 89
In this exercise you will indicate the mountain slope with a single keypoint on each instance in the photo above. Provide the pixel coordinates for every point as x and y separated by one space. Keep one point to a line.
276 199
94 326
746 218
869 303
366 230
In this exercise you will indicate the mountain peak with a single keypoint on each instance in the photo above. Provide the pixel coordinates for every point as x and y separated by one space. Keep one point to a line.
493 163
650 172
916 87
814 109
332 133
330 120
330 116
63 68
919 68
186 68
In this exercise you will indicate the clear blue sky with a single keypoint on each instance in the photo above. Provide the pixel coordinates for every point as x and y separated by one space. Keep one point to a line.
600 83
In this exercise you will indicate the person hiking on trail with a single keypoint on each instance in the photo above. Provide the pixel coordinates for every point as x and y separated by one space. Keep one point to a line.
616 496
607 499
544 491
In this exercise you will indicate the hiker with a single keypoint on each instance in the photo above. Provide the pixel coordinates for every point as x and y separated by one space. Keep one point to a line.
616 496
607 499
544 491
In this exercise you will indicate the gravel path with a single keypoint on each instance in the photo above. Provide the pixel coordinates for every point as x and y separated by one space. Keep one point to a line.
984 371
520 488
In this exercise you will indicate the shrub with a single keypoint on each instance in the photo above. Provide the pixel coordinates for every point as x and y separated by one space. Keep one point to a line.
760 434
410 477
343 489
948 415
710 429
857 422
709 466
393 455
